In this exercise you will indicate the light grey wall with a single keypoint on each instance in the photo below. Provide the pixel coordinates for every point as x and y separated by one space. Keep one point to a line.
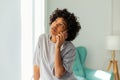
95 19
116 17
116 24
10 40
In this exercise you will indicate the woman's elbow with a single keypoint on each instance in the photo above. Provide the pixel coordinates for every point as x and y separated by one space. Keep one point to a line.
59 73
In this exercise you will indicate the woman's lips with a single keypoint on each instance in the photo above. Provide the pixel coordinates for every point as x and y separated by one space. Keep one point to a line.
53 29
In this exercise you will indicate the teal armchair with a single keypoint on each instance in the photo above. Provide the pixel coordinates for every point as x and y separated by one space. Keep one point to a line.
81 72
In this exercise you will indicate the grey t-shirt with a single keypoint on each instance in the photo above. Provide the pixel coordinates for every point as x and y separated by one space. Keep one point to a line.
44 58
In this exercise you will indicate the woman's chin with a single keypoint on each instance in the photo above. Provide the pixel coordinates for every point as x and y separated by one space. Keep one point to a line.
53 33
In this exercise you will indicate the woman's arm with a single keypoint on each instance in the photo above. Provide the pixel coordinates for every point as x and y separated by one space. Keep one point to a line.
58 67
36 72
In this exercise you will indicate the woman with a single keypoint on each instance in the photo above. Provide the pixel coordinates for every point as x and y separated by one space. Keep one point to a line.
55 53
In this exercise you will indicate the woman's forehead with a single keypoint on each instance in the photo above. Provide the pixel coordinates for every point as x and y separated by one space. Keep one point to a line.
61 20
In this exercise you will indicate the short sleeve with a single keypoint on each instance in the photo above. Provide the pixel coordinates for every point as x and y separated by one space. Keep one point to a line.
68 60
36 59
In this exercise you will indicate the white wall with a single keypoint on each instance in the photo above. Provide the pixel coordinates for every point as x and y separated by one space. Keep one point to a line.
10 40
95 19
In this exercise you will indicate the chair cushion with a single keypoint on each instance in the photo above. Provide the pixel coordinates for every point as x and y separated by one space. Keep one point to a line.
77 67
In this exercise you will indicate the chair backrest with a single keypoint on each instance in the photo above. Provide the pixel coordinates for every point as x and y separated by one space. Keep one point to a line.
82 52
78 65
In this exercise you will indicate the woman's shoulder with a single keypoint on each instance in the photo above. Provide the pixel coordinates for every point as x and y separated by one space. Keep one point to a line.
68 49
68 45
43 36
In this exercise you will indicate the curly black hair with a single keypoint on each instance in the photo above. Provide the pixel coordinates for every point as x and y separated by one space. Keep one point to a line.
73 26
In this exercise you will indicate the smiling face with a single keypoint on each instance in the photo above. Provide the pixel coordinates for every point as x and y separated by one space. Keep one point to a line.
57 26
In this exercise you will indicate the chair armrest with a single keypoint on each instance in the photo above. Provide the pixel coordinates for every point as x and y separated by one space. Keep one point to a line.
92 74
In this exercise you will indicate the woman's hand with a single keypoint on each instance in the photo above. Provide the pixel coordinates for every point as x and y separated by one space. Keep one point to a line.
60 39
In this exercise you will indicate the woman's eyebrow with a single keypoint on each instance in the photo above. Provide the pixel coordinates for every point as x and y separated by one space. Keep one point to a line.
63 22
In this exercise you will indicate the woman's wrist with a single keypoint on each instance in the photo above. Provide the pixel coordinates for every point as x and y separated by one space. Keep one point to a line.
57 46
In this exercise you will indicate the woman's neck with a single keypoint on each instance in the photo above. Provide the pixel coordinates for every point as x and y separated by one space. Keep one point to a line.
53 39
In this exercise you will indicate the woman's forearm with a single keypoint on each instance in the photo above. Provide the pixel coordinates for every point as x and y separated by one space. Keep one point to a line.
59 68
36 72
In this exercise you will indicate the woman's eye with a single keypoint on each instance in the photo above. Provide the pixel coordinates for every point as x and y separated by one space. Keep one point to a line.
62 25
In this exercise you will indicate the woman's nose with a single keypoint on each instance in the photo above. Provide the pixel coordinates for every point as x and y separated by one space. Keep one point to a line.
55 25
